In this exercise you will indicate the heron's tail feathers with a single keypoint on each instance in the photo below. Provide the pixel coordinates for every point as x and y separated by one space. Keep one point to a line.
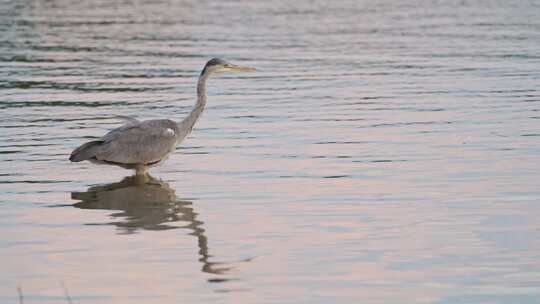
86 151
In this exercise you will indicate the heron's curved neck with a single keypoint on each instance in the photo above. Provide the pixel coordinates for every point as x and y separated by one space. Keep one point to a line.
187 124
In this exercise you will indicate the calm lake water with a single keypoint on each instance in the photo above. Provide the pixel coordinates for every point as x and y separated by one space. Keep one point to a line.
385 152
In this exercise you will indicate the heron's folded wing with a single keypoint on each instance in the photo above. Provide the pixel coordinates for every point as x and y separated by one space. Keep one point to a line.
139 143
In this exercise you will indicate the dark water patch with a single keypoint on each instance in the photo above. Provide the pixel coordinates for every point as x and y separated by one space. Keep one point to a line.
232 290
11 174
56 119
89 104
31 160
329 119
325 156
11 151
64 48
195 153
21 126
386 161
33 182
218 280
397 124
29 59
341 142
81 87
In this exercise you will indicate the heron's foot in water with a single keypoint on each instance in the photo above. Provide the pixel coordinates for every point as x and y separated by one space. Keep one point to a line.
141 179
141 170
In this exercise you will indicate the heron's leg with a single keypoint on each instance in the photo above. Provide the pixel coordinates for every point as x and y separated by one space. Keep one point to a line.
141 179
141 170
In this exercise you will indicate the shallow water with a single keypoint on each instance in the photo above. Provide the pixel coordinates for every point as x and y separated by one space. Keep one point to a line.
383 153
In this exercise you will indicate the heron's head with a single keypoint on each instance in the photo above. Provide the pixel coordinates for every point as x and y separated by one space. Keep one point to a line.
217 65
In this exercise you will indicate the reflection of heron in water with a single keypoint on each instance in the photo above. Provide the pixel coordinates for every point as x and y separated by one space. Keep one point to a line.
148 204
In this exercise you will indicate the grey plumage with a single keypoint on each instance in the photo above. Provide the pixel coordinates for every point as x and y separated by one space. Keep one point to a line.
141 144
84 152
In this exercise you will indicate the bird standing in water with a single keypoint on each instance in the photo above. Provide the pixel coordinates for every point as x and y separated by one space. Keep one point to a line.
139 145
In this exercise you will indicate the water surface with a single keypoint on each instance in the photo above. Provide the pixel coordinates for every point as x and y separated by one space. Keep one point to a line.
384 153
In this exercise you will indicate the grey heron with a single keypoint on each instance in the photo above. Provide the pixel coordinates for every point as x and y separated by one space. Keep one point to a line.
138 144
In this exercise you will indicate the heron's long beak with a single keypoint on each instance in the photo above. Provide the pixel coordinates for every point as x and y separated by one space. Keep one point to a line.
238 68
